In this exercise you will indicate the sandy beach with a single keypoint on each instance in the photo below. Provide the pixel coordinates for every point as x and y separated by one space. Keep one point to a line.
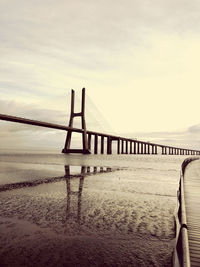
59 210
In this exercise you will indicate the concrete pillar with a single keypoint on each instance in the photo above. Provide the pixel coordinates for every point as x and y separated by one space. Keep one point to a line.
126 146
102 144
95 144
118 146
142 148
148 149
109 145
89 141
122 147
131 147
134 148
156 149
145 148
138 147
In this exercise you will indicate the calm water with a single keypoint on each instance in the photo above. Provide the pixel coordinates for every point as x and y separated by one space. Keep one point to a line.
93 210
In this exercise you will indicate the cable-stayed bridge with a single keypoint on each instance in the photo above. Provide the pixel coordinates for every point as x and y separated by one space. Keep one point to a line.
103 143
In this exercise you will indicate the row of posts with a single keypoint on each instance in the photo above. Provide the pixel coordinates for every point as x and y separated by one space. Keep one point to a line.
127 146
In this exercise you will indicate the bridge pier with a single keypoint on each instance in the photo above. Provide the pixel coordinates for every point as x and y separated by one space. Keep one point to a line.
102 144
95 144
131 147
89 141
134 147
109 145
138 147
118 146
126 146
122 146
142 145
145 148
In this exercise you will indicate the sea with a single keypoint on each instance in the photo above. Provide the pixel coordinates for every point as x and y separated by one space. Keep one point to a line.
87 210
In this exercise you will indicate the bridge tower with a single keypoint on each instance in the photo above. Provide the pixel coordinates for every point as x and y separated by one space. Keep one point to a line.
81 114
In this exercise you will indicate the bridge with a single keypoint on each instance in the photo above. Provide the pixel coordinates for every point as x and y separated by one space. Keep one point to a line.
103 143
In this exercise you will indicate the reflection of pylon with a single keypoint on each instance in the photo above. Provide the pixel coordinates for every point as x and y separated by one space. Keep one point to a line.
76 193
81 114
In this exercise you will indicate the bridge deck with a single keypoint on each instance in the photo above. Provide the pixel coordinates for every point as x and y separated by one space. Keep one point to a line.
192 202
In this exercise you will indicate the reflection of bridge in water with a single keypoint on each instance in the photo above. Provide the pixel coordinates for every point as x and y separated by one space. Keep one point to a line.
100 140
85 171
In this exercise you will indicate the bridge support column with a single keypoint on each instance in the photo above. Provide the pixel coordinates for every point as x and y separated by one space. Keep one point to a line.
142 148
118 146
148 149
122 147
126 146
109 145
145 148
102 144
134 148
138 147
85 149
89 141
95 144
131 147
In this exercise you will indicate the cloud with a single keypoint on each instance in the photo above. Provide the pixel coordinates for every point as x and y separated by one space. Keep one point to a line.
137 58
186 138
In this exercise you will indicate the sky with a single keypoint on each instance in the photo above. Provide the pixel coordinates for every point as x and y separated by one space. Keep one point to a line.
138 60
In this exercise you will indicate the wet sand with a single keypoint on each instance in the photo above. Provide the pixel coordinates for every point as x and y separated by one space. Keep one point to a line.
120 213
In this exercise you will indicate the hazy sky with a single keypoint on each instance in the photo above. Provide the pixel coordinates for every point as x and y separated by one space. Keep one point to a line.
139 61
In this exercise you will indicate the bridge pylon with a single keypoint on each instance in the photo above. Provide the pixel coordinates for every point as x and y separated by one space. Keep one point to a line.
85 149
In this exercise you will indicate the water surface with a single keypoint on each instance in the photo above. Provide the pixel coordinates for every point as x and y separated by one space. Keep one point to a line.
87 210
